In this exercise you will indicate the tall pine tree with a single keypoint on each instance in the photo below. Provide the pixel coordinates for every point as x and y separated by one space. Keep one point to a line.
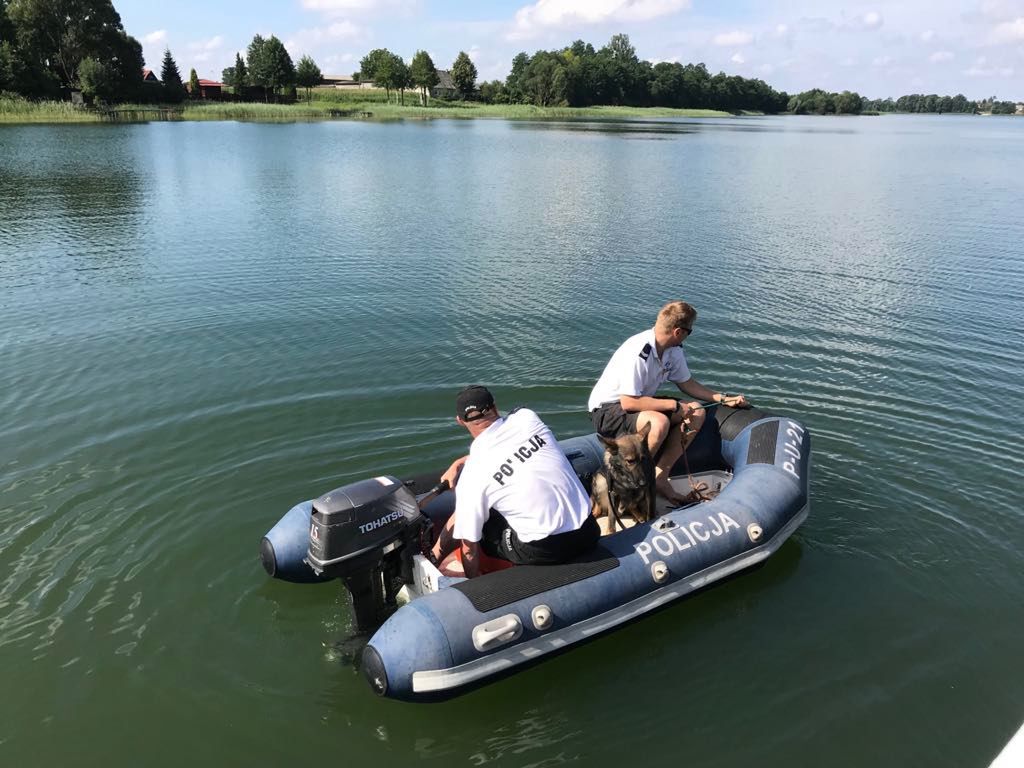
174 91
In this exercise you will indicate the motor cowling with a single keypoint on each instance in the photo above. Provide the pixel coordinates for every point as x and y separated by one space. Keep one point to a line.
365 533
357 524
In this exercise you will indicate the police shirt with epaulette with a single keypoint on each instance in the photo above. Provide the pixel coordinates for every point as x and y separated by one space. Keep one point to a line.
636 370
517 468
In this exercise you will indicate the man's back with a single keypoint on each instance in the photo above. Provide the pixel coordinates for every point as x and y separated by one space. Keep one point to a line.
517 468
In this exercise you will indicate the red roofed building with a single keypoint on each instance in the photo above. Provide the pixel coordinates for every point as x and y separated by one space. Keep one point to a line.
148 76
208 89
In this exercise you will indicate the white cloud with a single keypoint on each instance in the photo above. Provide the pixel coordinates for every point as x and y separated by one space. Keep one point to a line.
204 50
336 7
737 58
156 37
927 35
848 61
872 20
940 56
307 40
981 68
552 14
734 38
882 61
781 30
1009 31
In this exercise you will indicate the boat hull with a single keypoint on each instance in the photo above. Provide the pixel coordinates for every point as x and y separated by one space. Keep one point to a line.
475 630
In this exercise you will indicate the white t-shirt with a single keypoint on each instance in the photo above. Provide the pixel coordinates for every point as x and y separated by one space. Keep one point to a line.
516 467
636 370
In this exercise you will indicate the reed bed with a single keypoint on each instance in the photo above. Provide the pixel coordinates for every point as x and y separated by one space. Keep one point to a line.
18 110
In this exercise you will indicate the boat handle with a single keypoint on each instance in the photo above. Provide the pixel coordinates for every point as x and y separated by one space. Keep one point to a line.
495 632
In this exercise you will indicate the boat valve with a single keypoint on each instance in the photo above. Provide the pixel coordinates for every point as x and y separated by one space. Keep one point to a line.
659 571
754 531
542 617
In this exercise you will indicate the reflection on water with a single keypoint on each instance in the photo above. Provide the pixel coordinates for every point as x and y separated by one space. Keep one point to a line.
202 324
671 126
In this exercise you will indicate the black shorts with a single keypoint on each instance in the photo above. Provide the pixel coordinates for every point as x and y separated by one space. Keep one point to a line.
611 421
499 540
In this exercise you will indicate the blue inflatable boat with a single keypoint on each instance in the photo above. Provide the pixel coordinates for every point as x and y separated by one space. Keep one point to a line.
450 634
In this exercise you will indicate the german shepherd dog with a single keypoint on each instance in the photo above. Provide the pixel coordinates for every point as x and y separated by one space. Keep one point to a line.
625 485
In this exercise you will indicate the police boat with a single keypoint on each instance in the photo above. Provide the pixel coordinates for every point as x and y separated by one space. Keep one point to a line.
437 636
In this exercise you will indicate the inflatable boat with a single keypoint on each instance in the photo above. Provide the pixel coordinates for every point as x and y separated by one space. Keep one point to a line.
437 636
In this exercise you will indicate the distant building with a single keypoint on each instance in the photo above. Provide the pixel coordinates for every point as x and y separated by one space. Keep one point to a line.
148 76
208 89
1020 108
445 88
345 82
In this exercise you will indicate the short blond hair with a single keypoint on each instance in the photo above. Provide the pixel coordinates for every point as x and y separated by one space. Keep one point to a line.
676 314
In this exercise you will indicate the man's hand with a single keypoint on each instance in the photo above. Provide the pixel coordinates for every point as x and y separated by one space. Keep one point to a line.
734 401
452 473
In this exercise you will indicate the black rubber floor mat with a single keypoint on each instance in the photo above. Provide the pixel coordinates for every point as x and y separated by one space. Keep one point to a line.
504 587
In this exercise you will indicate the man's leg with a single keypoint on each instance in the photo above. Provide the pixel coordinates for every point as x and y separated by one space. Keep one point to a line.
662 427
679 435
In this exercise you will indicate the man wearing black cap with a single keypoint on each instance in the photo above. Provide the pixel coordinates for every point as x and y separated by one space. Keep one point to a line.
518 497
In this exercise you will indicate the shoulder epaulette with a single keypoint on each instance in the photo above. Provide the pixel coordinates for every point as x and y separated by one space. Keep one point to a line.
645 352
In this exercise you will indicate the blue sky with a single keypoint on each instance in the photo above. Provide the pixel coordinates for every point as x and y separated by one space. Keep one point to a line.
974 47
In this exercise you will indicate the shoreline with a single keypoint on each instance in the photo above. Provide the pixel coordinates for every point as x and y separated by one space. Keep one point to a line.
42 113
24 112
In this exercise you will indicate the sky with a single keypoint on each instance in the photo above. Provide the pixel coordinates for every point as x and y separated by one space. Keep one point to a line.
879 49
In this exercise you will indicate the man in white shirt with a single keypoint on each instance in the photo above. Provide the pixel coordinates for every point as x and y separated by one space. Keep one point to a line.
623 400
518 497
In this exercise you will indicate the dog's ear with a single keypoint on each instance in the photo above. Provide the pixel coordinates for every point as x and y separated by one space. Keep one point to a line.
610 443
644 430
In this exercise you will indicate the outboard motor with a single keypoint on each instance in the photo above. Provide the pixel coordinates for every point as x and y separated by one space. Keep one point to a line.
366 534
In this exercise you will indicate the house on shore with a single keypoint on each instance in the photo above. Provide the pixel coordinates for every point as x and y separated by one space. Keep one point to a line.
148 76
208 89
445 88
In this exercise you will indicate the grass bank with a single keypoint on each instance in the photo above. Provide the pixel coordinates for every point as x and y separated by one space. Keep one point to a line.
337 105
379 110
24 111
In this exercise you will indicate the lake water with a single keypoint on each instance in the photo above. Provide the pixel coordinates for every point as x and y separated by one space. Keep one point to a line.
202 324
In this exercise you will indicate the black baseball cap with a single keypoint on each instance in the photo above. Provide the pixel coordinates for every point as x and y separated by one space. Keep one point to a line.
474 400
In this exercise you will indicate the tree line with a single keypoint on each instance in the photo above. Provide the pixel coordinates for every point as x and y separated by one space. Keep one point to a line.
49 47
389 71
580 76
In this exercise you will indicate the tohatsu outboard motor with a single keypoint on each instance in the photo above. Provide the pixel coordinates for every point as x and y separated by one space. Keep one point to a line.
365 534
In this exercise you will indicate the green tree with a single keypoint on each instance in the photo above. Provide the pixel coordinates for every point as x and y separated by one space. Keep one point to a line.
847 103
270 66
392 74
235 76
193 84
95 80
174 91
48 40
464 75
403 77
8 67
372 62
514 81
493 92
423 74
308 75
